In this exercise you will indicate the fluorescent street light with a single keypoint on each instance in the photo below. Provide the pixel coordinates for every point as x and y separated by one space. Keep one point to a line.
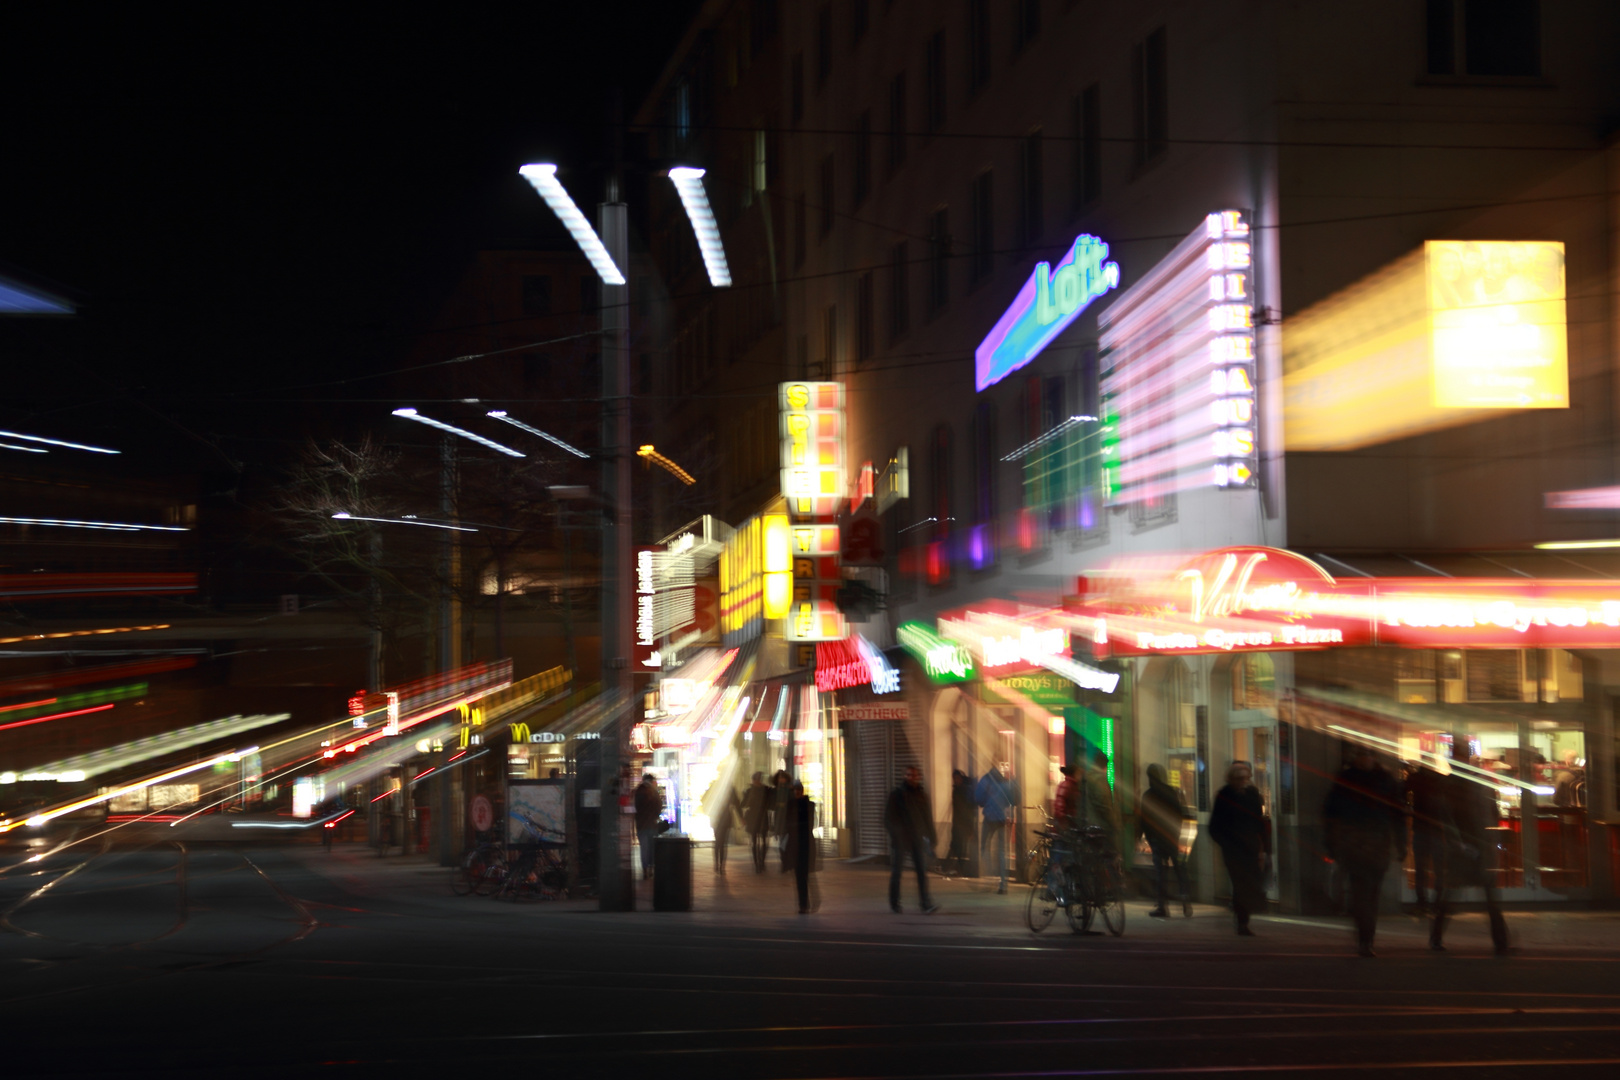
344 515
114 525
689 185
500 414
1577 545
56 442
412 414
544 179
29 449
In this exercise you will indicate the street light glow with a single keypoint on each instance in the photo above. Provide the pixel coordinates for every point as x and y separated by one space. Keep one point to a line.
675 470
500 414
55 442
344 515
412 414
689 186
544 178
26 449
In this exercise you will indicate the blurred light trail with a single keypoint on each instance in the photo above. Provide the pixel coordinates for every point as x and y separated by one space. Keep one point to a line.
57 442
53 716
28 705
543 176
675 470
344 515
1600 498
30 684
689 186
113 526
500 414
113 793
412 414
80 633
133 753
24 449
1577 545
96 584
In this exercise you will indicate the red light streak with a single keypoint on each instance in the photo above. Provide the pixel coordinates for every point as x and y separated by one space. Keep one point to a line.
383 796
333 823
58 716
28 704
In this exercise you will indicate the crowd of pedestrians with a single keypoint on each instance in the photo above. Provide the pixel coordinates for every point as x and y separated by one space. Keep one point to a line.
1366 819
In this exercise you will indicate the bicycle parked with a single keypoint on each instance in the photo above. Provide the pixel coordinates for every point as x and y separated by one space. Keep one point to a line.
481 871
1084 876
540 871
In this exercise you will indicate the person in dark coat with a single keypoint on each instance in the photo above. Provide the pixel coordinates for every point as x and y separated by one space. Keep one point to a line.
1469 854
1239 828
649 805
1161 818
781 808
801 843
964 822
724 808
1365 822
756 807
910 820
1426 797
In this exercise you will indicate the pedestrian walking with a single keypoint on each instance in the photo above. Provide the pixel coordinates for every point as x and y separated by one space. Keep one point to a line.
649 806
910 820
1160 823
1066 800
1468 856
1426 799
802 843
1364 821
781 807
756 806
723 808
1239 827
964 823
1097 806
997 796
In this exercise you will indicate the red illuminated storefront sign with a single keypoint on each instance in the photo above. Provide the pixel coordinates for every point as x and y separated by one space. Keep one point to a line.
1258 599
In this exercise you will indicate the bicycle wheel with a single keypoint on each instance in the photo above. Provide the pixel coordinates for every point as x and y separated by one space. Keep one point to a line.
1041 907
1035 863
1111 897
493 875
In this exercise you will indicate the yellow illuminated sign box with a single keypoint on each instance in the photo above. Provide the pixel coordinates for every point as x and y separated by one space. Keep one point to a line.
813 468
1435 339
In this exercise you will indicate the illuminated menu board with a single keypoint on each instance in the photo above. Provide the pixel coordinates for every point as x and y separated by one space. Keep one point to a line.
813 469
1178 369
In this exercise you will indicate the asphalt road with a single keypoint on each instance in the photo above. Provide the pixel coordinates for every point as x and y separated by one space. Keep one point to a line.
183 960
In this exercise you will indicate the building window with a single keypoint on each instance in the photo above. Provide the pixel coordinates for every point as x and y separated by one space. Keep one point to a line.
762 26
1150 83
865 331
536 295
939 260
1086 183
828 191
761 165
800 244
1484 37
796 88
858 21
899 294
1026 22
978 45
863 157
934 83
942 496
1029 189
590 296
984 462
981 226
897 122
823 45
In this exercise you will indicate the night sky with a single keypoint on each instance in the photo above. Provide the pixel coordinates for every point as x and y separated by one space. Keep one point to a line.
247 201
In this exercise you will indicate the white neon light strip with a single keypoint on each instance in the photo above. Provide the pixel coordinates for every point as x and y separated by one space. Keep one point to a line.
689 186
1048 437
500 414
344 515
26 449
544 179
57 442
114 525
412 414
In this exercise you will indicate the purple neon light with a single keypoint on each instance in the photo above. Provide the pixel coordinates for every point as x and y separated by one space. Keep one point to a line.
984 356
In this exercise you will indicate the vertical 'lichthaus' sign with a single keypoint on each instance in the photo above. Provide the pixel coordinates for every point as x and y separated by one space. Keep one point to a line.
1177 360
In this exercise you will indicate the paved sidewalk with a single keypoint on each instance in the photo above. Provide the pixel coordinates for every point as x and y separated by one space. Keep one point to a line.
852 899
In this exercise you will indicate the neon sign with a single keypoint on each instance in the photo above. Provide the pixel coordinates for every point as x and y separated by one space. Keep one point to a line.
943 660
813 447
1049 301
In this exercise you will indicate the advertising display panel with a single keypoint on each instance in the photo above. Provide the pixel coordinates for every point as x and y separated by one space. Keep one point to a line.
814 474
1443 336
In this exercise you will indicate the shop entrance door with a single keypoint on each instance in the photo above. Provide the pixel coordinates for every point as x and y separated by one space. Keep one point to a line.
1256 744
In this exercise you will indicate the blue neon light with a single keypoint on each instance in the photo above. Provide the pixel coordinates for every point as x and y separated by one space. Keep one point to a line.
1049 301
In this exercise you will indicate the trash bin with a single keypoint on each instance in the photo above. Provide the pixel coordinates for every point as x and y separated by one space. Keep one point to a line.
672 873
